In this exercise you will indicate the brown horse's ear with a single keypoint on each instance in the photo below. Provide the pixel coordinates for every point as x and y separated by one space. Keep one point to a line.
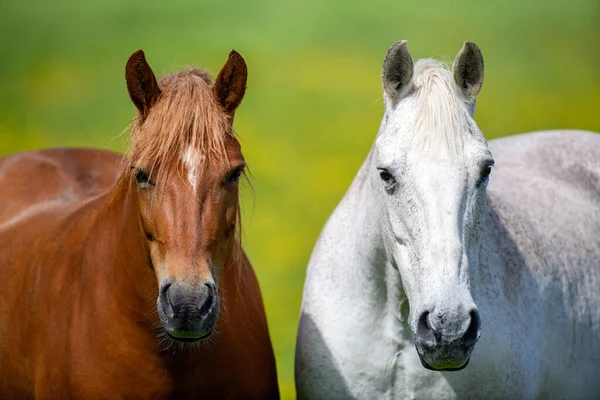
230 84
141 83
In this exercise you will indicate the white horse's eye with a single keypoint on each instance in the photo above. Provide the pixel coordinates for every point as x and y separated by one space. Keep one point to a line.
387 179
485 175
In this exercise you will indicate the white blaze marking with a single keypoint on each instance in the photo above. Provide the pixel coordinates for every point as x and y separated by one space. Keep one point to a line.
191 160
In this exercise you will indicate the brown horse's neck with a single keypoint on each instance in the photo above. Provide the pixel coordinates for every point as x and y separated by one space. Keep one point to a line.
117 256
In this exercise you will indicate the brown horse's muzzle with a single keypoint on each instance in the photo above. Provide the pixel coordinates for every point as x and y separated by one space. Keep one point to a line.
188 312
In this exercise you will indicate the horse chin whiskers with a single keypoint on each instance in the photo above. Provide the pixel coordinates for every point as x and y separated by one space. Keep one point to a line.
166 344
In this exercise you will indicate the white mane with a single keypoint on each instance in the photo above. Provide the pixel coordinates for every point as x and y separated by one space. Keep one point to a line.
442 115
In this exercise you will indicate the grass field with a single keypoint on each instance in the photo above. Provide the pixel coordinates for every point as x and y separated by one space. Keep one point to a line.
313 103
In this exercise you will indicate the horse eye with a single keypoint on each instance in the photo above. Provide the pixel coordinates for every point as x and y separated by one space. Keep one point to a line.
485 175
387 178
234 176
141 177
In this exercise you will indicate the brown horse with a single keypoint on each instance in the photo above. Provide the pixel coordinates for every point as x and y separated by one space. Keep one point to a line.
124 277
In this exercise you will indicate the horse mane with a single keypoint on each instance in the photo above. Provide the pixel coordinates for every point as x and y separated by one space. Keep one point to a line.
442 113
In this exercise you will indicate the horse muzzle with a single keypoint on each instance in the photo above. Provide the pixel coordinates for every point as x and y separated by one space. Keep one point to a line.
445 344
188 312
450 357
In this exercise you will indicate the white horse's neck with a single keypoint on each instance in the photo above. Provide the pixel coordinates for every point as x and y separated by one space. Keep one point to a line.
357 267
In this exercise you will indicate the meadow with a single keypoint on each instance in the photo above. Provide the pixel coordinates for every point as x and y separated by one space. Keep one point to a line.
313 103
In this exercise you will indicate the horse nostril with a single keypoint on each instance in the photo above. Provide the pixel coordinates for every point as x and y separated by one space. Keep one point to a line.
472 333
425 332
208 303
165 298
173 296
164 288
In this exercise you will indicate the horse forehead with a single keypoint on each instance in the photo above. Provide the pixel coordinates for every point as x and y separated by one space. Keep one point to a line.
404 146
436 183
192 159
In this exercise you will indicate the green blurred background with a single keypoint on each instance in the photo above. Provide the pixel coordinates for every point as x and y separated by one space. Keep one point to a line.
313 103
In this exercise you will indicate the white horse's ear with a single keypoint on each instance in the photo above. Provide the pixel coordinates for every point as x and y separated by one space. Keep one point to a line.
468 70
397 70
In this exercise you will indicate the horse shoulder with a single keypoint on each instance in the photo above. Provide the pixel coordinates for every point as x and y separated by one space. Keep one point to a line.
45 215
540 250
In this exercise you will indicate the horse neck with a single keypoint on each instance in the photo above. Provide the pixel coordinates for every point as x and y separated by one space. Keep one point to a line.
115 254
363 267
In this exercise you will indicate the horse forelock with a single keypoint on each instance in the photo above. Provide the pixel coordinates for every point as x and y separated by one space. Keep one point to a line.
442 116
186 116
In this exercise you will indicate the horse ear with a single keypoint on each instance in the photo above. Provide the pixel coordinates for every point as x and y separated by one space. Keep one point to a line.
397 70
230 84
141 83
468 70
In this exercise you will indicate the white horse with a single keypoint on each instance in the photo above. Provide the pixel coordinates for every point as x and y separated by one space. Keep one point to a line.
422 259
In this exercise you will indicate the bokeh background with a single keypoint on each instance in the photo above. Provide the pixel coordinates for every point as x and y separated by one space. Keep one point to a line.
313 103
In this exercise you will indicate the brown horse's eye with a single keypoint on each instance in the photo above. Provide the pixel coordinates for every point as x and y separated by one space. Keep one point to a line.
234 176
141 177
